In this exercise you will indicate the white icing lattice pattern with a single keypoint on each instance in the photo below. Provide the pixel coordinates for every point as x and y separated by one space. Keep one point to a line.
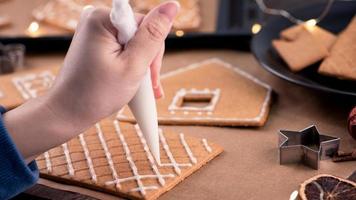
128 153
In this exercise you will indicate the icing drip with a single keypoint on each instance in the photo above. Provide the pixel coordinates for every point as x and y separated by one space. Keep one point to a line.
137 176
88 158
68 159
150 157
206 145
107 154
192 158
48 162
321 197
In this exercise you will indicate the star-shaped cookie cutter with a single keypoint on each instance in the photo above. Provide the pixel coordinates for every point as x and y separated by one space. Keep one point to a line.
306 146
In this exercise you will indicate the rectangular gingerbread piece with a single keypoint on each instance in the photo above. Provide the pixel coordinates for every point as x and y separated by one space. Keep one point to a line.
113 157
211 93
342 60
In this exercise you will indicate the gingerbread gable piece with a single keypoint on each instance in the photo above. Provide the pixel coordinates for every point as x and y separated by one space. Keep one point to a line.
114 157
16 88
211 93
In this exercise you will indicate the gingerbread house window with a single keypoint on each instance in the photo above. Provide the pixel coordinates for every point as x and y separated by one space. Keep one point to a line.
195 100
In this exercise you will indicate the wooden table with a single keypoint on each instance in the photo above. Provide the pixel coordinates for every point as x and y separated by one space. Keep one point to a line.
249 169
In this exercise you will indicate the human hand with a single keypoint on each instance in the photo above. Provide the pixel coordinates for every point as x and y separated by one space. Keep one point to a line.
99 76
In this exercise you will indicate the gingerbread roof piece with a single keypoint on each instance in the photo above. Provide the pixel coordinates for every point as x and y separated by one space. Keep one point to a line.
65 14
188 18
113 157
342 60
212 93
16 88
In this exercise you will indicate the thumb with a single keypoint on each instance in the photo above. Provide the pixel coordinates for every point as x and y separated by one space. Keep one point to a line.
152 32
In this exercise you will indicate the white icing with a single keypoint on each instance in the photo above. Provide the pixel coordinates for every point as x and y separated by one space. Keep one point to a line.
263 110
24 84
150 157
132 164
173 163
192 158
206 145
174 106
88 158
68 159
107 154
48 162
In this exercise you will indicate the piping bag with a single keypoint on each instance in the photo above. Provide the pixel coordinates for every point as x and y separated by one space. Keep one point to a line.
143 104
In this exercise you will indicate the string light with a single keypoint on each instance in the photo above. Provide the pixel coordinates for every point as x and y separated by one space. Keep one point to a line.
290 17
180 33
33 29
310 24
256 28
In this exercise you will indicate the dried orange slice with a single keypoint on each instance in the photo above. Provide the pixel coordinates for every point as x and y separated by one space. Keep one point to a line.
327 187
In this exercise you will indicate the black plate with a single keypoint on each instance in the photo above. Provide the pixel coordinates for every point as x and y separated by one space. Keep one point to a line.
339 16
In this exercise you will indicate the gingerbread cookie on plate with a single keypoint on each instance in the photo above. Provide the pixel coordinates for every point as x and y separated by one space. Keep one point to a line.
113 157
325 37
16 88
342 59
211 93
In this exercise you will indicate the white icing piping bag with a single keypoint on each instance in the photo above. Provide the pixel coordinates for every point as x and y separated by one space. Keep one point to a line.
143 104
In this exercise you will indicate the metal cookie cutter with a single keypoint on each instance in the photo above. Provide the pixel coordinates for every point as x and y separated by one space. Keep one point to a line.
11 57
306 146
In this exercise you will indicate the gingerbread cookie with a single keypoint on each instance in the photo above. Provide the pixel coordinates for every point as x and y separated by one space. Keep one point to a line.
302 52
65 14
342 59
325 37
188 17
16 88
114 157
211 93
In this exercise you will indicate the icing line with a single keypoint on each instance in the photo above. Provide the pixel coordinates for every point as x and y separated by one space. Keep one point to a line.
88 158
149 156
206 145
48 162
192 158
132 164
68 159
107 154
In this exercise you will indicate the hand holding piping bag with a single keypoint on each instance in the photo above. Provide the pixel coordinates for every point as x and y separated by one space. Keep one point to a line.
143 104
99 76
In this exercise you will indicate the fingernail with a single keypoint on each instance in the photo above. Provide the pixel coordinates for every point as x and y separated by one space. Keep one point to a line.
169 9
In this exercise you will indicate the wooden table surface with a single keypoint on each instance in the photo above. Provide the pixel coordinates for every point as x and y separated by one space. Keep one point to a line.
248 169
